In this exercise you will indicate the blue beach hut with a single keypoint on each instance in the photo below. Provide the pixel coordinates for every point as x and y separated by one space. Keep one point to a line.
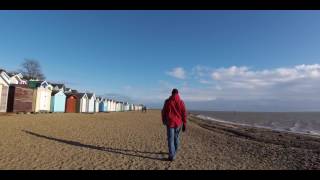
103 105
58 101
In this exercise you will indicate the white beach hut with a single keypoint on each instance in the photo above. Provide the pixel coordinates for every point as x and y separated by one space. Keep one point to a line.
4 89
113 105
97 103
91 102
82 102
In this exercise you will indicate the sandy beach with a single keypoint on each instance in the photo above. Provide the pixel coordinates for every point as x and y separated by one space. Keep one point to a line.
135 140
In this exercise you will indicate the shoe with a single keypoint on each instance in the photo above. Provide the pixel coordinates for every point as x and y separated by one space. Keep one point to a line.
171 158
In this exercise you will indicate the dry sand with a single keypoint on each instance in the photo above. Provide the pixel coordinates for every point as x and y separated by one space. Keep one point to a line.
135 140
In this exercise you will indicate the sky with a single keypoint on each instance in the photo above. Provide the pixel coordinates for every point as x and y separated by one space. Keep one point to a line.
226 60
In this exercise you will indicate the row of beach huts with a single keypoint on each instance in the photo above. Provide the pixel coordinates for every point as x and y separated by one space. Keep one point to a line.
19 95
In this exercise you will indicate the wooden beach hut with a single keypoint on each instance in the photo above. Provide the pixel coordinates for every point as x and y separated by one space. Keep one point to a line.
71 103
97 103
126 106
111 109
58 101
121 106
41 95
107 105
113 105
82 102
20 98
103 105
4 90
108 101
91 102
118 106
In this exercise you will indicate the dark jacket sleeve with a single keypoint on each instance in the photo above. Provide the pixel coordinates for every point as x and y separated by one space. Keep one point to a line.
183 113
164 111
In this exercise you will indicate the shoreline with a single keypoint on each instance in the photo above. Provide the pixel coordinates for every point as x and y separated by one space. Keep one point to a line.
211 119
261 134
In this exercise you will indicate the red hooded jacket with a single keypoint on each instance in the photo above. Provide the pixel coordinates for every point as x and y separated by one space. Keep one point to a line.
174 112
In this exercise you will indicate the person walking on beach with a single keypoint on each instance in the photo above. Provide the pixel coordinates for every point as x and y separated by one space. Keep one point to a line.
144 109
174 117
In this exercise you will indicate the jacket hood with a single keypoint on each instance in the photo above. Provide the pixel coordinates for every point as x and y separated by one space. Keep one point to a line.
175 97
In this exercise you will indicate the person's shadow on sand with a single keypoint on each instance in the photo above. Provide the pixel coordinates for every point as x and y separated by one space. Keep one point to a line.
106 149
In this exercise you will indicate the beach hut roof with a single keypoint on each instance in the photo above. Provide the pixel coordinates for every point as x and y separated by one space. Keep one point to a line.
2 70
81 95
90 95
58 85
4 76
54 92
71 94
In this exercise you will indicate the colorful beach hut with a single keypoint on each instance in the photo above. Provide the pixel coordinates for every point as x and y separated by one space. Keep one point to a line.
4 90
121 106
71 103
103 105
20 98
97 103
108 101
91 102
118 106
111 105
41 95
82 102
58 101
126 106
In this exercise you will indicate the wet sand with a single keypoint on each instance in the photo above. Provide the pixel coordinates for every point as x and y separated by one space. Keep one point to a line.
135 140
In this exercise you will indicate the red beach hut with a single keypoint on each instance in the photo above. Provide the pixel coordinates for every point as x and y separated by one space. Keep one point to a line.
71 103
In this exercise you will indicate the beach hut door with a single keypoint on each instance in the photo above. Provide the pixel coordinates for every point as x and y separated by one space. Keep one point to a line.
43 101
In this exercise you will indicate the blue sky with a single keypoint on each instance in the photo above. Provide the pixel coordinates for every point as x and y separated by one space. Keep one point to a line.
143 54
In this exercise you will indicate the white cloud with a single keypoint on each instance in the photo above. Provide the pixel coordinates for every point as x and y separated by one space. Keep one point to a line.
177 72
244 76
301 83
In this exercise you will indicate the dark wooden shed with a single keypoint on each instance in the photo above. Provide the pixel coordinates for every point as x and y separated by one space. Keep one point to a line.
71 103
20 98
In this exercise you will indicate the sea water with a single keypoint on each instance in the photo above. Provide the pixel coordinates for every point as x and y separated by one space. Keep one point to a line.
298 122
